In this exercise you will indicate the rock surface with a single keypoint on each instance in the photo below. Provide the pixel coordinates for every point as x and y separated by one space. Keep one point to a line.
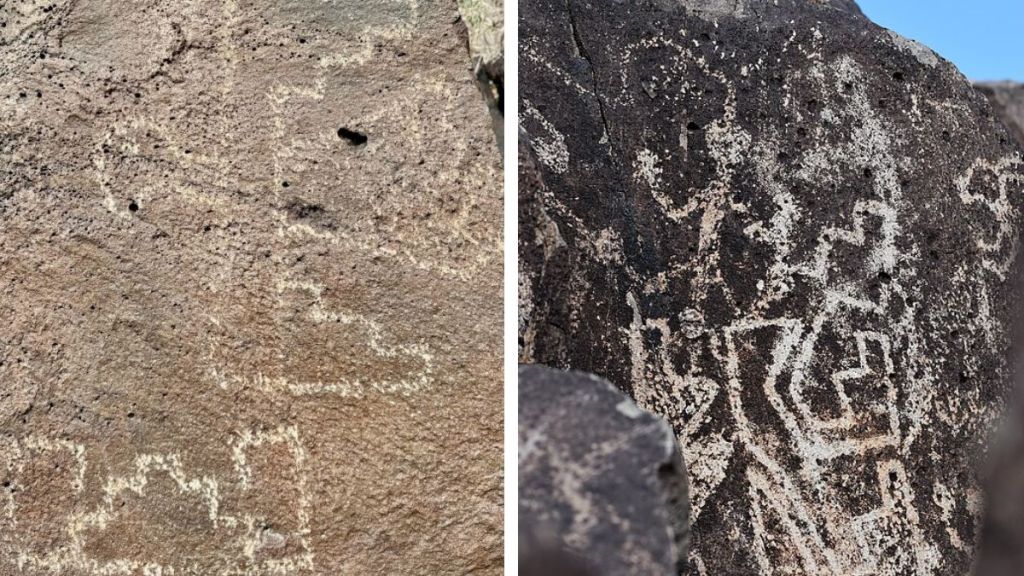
250 278
539 560
1007 99
759 9
789 235
486 22
1001 541
598 477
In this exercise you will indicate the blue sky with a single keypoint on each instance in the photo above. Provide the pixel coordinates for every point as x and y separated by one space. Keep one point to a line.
984 38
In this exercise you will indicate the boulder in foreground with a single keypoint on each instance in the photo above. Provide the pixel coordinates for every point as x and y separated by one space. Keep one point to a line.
599 478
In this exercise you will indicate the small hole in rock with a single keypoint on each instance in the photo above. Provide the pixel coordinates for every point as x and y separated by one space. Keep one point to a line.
354 138
693 126
284 184
133 206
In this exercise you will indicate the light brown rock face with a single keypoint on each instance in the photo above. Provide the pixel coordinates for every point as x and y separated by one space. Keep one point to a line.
250 283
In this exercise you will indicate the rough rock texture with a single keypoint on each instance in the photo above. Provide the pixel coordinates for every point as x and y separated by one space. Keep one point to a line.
486 22
1001 542
549 561
759 9
1007 99
789 235
599 478
250 280
1000 548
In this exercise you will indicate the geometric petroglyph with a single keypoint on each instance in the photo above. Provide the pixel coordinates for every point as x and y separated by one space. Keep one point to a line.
300 151
414 361
241 214
806 226
259 516
834 402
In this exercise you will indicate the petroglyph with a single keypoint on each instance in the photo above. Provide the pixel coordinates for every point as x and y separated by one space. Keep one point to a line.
420 357
550 147
1005 174
814 249
269 216
247 532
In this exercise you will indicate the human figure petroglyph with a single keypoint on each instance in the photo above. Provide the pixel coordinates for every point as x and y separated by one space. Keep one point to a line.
821 436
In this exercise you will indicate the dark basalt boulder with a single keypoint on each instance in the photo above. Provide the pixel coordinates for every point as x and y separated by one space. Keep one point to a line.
602 488
790 235
760 9
1001 545
1007 99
